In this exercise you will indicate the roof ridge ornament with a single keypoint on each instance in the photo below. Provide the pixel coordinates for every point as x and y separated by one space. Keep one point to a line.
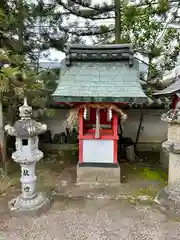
104 53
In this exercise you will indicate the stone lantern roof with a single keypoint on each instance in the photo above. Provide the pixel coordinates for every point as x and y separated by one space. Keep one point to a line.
26 126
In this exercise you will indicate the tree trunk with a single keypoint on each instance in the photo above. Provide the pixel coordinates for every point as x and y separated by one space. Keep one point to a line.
117 21
149 72
2 140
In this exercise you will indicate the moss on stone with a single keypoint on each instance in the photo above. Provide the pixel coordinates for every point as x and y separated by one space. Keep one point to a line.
138 172
150 191
154 175
146 182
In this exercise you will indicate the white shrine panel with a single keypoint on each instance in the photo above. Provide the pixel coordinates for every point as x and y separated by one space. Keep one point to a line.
98 151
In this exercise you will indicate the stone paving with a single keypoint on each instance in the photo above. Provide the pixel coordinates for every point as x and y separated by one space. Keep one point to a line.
83 219
81 212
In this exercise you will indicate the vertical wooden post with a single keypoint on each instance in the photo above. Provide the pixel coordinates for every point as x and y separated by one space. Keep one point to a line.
97 134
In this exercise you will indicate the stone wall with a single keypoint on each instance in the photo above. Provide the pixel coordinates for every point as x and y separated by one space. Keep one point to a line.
55 122
152 133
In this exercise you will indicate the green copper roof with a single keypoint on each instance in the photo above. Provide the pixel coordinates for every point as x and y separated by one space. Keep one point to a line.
104 73
96 82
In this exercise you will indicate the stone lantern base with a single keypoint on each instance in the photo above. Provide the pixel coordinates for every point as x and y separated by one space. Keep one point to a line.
169 200
169 197
32 207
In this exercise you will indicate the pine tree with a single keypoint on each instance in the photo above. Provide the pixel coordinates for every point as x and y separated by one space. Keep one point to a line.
32 26
132 24
17 52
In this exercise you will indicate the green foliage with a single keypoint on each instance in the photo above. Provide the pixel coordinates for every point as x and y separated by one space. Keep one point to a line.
50 78
145 33
30 26
162 7
139 26
17 77
75 150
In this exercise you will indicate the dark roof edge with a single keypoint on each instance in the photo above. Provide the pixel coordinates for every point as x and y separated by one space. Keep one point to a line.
164 93
171 89
76 99
94 47
142 106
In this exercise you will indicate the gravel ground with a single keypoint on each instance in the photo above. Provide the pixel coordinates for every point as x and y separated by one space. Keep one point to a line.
92 220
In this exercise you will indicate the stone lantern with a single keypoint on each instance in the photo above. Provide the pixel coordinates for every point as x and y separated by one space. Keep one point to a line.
26 131
170 196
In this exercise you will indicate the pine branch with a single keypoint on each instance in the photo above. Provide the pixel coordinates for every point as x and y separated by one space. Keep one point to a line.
147 64
145 3
87 32
93 15
98 8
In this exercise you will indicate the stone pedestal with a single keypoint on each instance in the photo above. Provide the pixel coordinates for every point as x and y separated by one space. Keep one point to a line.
169 197
29 202
27 154
95 175
174 171
31 207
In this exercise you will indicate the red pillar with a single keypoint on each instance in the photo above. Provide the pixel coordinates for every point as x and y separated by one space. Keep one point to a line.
80 135
115 131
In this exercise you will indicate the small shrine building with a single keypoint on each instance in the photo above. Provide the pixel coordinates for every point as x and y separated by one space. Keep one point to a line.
96 82
173 90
